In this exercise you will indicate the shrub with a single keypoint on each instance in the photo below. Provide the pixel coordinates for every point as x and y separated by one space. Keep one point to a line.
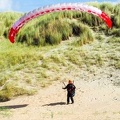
84 32
53 38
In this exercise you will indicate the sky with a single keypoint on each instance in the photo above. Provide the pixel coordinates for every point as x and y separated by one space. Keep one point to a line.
29 5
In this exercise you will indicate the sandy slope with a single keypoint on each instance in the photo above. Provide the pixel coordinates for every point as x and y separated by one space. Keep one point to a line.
96 99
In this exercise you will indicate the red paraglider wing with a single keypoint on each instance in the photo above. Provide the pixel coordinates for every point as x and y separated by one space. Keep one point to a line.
54 8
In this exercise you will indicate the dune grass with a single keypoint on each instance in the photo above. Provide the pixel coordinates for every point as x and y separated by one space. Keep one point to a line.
5 111
40 30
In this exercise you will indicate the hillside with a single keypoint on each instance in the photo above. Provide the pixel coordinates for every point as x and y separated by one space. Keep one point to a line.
52 49
93 67
70 40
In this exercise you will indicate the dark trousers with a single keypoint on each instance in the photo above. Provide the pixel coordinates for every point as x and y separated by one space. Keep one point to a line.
70 97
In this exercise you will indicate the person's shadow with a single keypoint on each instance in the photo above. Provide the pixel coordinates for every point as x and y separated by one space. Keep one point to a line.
54 104
14 106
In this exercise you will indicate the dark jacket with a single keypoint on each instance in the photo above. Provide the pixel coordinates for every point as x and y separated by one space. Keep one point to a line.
70 89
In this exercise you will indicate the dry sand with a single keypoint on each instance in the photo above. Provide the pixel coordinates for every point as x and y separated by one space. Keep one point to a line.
95 99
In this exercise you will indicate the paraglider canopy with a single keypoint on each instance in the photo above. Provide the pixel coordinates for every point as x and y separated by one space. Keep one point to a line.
55 8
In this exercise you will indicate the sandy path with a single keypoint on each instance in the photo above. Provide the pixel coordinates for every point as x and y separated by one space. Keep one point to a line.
94 100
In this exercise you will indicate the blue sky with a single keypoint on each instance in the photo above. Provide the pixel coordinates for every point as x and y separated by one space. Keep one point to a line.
29 5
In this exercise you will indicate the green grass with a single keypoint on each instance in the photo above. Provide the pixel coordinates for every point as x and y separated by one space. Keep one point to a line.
9 55
11 88
5 111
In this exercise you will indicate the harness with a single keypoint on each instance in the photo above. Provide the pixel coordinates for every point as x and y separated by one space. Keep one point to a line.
71 90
